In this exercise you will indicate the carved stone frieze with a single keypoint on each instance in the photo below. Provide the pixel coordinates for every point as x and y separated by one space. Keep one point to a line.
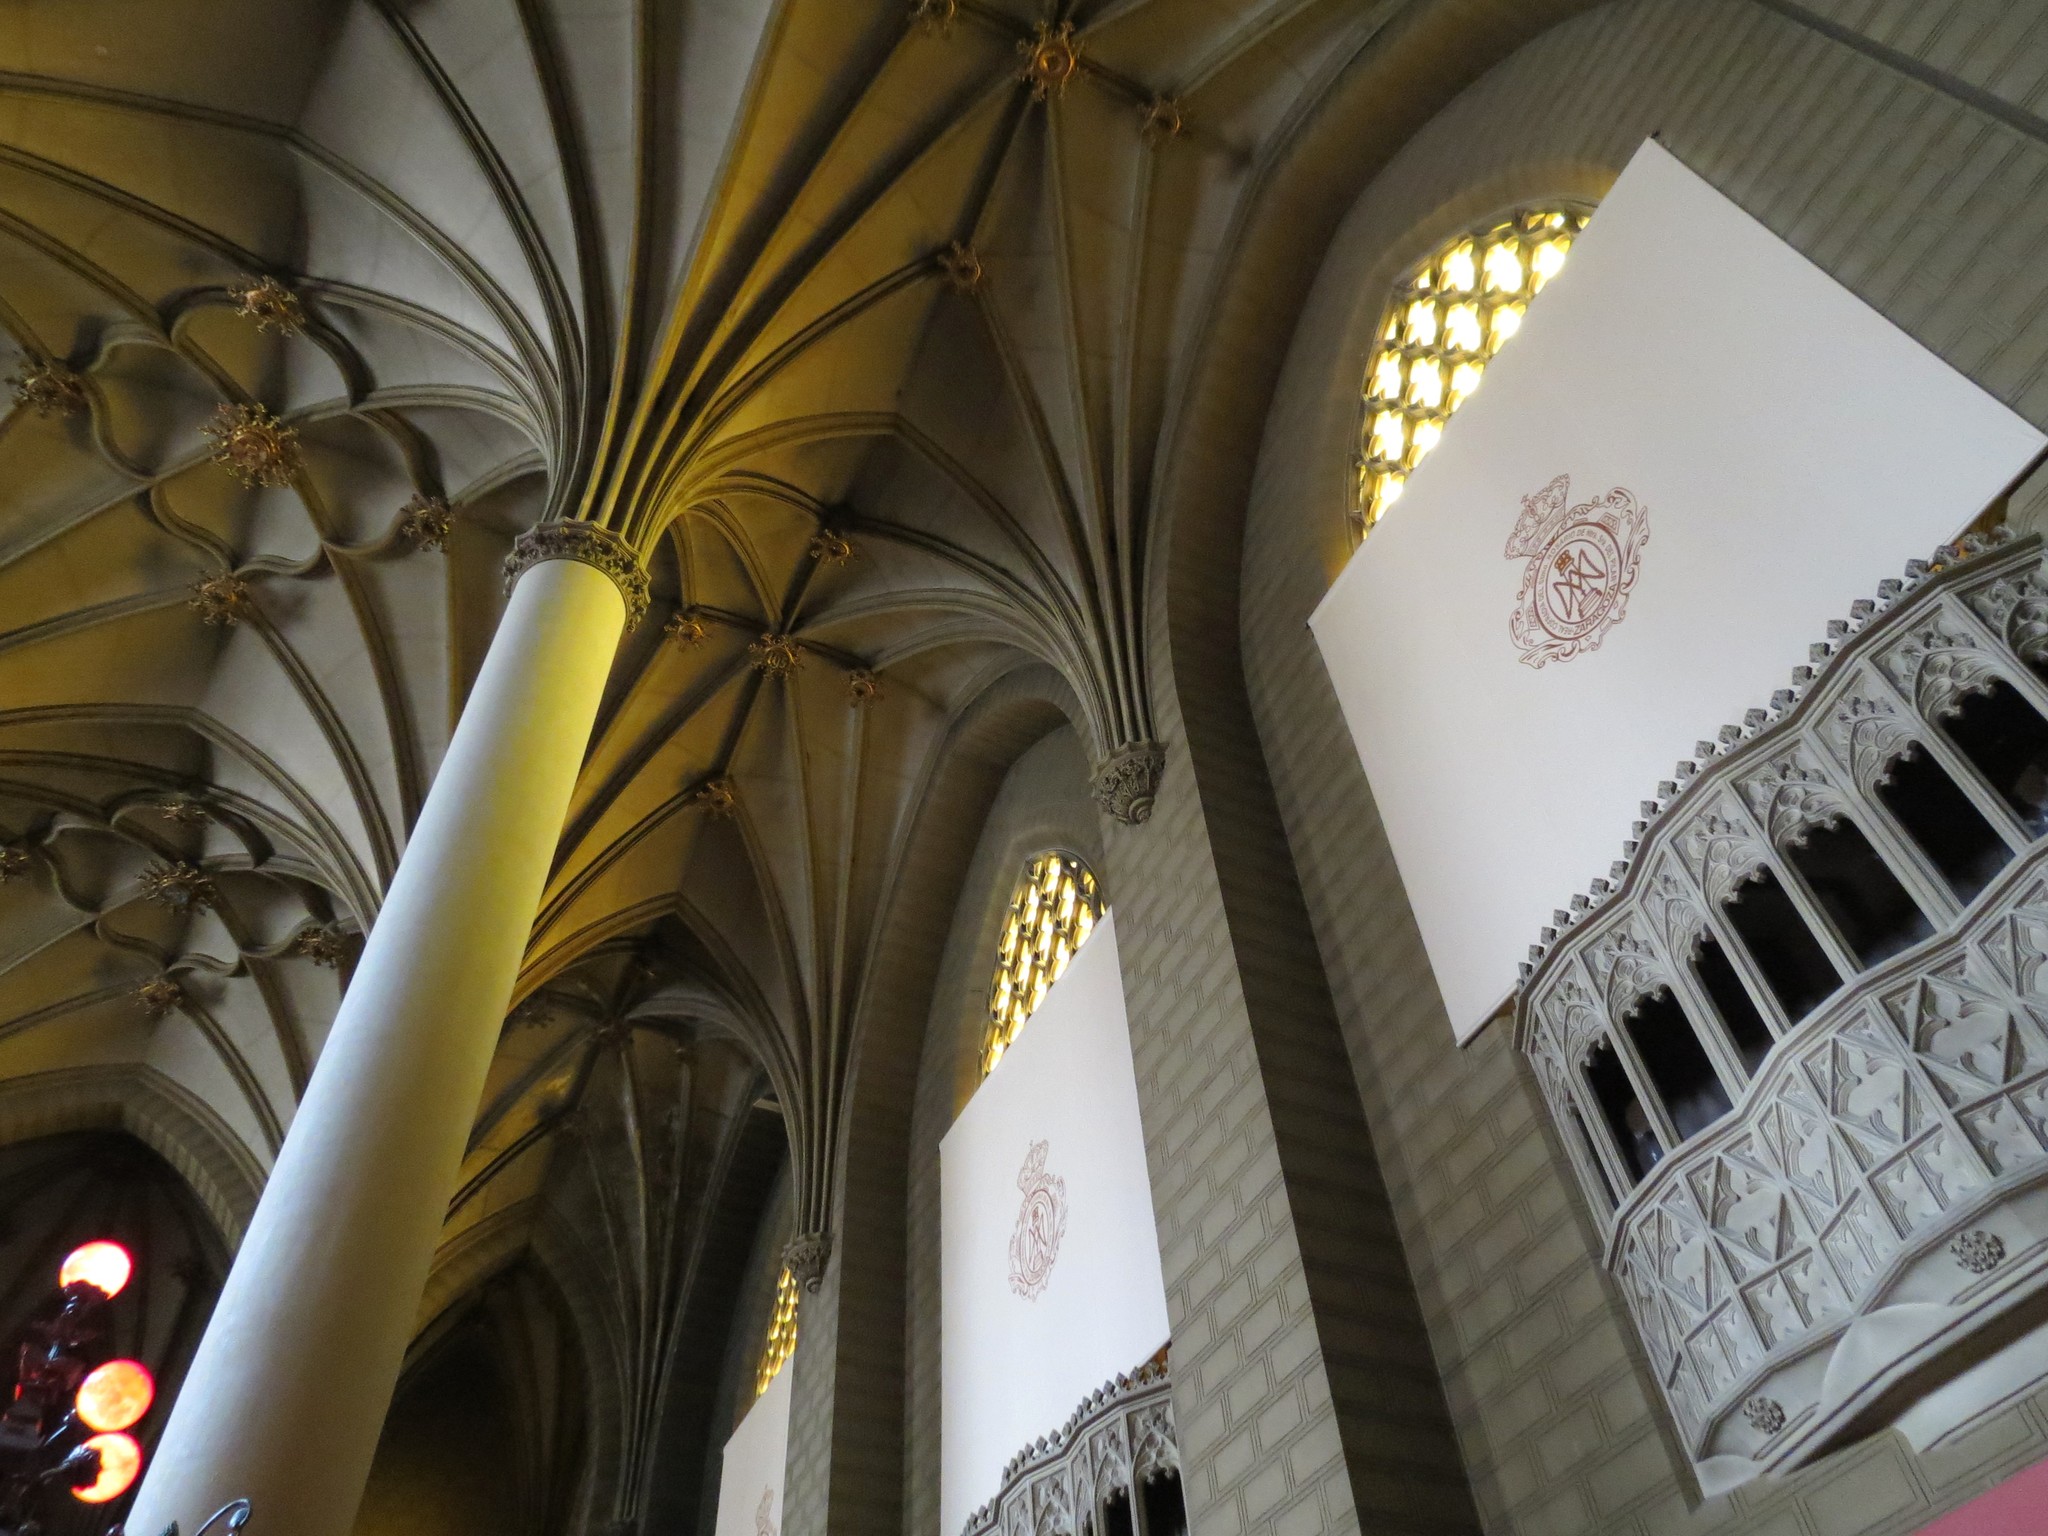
1890 1150
1120 1438
594 546
1128 783
806 1256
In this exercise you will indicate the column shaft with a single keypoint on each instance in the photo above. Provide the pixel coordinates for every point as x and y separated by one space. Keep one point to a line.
288 1392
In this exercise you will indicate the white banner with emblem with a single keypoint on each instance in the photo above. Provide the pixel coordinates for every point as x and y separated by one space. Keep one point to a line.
750 1479
1699 449
1049 1258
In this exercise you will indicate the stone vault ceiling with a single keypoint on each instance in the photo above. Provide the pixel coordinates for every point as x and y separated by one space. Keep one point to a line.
865 321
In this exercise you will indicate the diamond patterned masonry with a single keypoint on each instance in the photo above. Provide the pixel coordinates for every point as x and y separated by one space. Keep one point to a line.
1836 1194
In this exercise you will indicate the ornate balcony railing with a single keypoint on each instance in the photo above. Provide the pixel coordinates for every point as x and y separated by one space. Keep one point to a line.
1091 1476
1797 1044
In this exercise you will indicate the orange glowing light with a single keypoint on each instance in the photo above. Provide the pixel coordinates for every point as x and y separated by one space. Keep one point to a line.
120 1460
103 1266
115 1395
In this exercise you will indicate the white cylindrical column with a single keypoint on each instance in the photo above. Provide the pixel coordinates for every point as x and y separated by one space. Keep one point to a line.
288 1392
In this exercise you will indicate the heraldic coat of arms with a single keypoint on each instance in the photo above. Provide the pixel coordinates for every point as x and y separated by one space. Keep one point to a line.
1041 1223
1583 562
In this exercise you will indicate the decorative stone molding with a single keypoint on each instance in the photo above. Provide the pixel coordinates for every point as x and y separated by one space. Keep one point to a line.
161 997
597 547
1126 785
49 389
220 600
325 947
959 267
777 655
184 810
182 887
254 446
1863 1199
685 629
270 304
805 1257
424 522
1120 1438
1051 59
935 16
717 797
1162 119
830 548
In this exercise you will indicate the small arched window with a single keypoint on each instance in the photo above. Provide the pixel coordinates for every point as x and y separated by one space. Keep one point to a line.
1055 908
781 1333
1446 321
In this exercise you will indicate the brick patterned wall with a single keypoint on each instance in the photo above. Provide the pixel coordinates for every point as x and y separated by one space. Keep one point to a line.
1043 804
1896 145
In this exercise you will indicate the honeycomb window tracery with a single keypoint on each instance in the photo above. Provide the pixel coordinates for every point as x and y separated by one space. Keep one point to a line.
1446 322
781 1343
1056 906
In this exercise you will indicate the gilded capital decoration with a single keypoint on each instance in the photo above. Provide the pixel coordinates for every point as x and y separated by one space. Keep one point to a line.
1050 59
49 389
254 446
805 1257
597 547
270 304
1127 783
424 521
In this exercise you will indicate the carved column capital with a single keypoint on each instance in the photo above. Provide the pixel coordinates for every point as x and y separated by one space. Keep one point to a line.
805 1256
594 546
1128 781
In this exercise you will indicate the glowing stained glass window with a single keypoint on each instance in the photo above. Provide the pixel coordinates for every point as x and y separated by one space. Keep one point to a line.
1446 322
781 1333
1056 907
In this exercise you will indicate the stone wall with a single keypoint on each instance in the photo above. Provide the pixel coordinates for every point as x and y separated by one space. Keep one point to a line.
1901 147
1043 804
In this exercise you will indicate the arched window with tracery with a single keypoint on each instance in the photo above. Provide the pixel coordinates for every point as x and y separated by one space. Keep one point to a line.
1056 906
1447 320
781 1341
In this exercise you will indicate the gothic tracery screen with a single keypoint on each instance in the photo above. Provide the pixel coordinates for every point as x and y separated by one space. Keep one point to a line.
1445 323
781 1333
1055 908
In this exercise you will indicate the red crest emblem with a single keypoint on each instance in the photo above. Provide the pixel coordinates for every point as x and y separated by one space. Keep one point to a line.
1583 563
1041 1223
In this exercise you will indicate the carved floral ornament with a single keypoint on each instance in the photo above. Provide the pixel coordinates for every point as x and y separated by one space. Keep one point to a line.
805 1256
591 545
1051 59
1883 1146
424 522
48 388
254 446
1126 785
268 302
